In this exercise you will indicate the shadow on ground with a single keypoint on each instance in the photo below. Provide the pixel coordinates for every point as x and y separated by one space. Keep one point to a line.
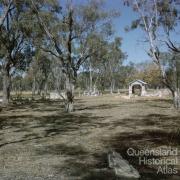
53 122
79 164
145 139
151 120
47 125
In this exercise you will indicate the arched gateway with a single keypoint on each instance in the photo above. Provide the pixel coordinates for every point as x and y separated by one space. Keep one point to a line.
137 86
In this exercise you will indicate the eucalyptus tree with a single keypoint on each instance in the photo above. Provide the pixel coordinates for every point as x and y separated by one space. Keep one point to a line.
41 69
15 49
6 7
157 19
69 30
94 65
114 61
57 76
169 19
103 65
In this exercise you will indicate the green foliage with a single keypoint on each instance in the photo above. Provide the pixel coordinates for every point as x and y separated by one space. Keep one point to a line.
15 47
171 62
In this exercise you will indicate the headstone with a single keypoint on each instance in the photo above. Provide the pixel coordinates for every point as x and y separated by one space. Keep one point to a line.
54 95
91 93
160 93
121 167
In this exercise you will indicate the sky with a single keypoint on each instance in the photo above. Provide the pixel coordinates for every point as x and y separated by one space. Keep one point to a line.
131 40
132 43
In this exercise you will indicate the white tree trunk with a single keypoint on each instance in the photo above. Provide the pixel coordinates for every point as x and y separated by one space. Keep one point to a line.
90 78
34 86
112 86
69 101
176 99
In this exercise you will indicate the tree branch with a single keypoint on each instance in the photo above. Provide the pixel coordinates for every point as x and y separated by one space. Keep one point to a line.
49 51
172 46
2 19
45 29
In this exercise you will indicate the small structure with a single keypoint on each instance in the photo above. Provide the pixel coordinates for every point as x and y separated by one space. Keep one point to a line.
137 86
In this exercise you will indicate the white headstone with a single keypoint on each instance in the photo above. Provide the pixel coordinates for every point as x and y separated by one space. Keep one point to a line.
54 95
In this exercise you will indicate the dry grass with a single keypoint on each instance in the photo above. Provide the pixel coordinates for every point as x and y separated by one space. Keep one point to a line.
39 141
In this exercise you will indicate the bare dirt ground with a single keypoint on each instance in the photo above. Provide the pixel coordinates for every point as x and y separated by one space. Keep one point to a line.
38 141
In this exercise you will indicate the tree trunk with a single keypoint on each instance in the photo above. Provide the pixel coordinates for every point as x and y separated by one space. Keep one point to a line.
6 86
34 87
90 79
45 89
176 99
69 101
39 88
176 93
111 90
112 86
